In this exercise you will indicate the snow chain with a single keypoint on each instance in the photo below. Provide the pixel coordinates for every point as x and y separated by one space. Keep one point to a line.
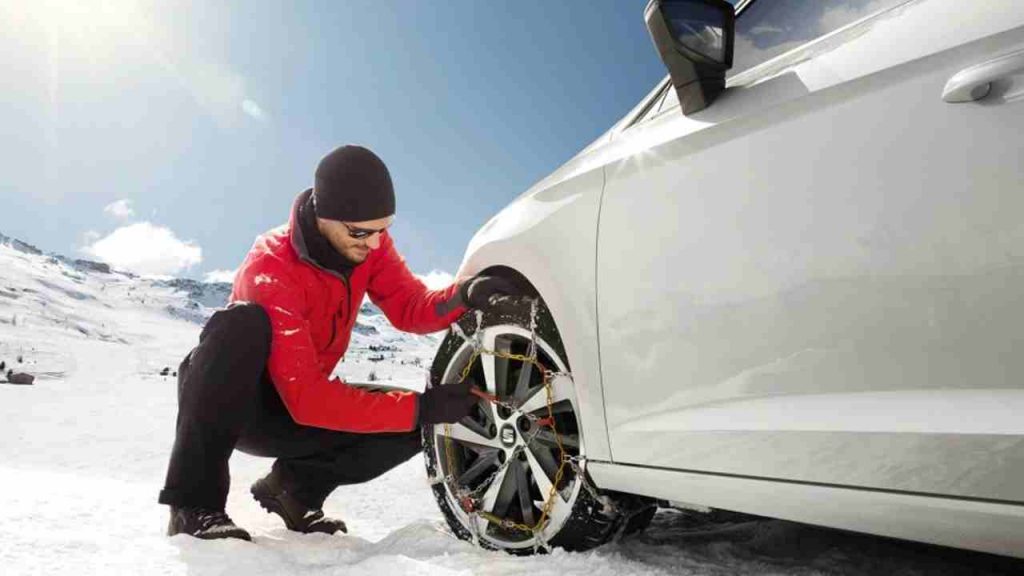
467 499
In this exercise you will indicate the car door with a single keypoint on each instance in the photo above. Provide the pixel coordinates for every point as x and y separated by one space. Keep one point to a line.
820 277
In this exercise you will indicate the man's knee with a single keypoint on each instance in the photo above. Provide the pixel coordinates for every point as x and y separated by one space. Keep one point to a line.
248 315
222 375
241 322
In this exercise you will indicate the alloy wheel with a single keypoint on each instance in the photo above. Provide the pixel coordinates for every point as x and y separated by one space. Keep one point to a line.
502 455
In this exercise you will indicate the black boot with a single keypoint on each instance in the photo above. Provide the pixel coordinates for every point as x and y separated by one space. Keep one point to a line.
204 523
272 495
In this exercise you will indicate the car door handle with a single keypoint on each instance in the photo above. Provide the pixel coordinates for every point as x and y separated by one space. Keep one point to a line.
974 83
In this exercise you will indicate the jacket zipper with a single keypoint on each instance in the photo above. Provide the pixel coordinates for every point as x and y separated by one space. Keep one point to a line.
334 330
334 317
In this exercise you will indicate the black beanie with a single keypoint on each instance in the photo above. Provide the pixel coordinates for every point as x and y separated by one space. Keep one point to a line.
353 184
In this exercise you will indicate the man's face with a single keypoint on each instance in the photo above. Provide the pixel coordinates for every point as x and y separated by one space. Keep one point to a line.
354 249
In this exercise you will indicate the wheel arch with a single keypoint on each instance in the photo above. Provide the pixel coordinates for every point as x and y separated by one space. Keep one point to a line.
577 329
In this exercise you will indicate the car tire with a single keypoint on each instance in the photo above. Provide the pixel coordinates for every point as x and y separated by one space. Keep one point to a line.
582 517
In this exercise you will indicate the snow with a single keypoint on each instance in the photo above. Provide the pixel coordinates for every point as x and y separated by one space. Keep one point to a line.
84 453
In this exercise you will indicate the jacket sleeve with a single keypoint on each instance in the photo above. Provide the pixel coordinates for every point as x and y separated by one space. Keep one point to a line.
405 300
310 397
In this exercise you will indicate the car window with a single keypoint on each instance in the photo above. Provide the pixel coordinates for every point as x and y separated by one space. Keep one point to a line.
768 28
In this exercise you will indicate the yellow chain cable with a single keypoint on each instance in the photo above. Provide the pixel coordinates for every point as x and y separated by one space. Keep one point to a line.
563 457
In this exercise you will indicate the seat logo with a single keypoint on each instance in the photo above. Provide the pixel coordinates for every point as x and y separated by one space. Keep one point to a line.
508 435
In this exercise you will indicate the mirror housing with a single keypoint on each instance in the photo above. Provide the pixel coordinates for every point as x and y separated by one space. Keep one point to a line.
695 41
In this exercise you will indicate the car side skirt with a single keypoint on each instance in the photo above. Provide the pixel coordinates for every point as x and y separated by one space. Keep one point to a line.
986 526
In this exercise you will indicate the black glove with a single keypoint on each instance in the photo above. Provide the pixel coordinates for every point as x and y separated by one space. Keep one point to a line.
477 291
446 403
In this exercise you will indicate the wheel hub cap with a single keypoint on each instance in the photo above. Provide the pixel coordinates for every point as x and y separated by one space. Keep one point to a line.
508 435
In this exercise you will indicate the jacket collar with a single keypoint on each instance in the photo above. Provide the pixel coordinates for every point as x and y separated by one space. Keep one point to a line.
310 245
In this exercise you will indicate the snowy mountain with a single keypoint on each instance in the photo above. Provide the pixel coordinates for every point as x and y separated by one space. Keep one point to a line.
62 297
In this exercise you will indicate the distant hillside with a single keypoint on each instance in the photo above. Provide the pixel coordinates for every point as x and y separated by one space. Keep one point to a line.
46 298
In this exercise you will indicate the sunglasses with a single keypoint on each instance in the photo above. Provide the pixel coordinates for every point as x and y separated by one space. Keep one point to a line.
361 233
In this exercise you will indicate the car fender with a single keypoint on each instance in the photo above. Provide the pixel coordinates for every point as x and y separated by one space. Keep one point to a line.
549 236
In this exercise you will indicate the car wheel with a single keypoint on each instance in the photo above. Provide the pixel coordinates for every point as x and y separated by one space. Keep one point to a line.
493 471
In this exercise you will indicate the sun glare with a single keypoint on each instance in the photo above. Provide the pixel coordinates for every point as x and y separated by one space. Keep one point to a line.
92 29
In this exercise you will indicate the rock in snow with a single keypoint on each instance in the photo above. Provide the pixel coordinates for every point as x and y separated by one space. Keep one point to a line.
20 378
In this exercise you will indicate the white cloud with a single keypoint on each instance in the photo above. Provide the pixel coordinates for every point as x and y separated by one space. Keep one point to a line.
145 248
436 279
220 276
253 109
120 209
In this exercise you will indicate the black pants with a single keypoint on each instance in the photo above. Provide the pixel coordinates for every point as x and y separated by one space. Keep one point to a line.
226 401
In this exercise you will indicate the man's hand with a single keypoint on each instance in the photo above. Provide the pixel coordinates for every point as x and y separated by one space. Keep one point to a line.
477 291
447 403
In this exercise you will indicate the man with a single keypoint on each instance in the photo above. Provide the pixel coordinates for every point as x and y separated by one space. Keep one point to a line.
259 380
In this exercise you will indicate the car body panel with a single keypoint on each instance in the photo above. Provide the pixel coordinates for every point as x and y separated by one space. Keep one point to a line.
830 274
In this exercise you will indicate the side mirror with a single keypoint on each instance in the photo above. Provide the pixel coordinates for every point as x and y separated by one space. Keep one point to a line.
695 41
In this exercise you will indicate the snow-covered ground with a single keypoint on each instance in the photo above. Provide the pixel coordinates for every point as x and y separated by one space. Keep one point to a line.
84 450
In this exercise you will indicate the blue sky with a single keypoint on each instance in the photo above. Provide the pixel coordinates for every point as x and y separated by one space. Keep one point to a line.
166 135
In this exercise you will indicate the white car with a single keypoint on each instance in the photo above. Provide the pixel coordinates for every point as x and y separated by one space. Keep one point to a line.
798 295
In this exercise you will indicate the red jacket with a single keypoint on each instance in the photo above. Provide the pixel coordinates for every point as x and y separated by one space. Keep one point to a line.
312 311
